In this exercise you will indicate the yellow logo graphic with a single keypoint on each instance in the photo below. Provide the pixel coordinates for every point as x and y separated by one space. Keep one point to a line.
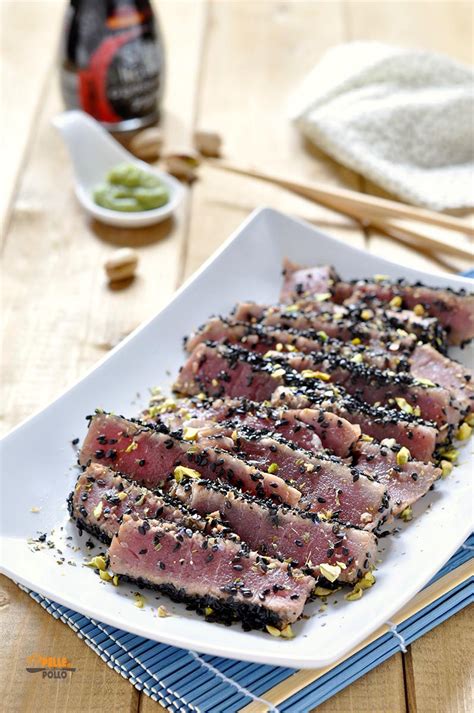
49 666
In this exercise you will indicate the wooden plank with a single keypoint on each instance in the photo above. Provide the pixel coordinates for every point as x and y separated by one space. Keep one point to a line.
257 54
439 670
28 629
28 38
381 690
55 279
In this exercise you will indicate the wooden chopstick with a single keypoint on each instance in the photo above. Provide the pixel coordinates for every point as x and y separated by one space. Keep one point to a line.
349 202
414 238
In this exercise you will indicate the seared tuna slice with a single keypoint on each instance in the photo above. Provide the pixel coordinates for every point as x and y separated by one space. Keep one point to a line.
233 372
420 361
377 422
102 497
150 454
347 322
230 370
406 482
219 371
299 282
214 575
376 386
328 485
284 533
426 363
454 310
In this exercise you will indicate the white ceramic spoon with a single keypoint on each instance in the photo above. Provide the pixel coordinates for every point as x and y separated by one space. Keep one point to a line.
94 152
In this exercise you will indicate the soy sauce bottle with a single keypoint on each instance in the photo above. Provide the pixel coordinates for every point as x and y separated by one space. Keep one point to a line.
112 62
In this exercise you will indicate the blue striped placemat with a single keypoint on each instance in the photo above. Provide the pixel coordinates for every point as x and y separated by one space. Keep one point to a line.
186 681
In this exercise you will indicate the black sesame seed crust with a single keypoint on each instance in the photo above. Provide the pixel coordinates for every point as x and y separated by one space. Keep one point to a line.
317 393
224 611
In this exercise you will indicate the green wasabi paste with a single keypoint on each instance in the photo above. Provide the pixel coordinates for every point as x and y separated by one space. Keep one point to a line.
130 189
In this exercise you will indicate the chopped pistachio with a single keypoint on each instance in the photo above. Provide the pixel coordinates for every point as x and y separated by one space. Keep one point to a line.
396 301
322 591
310 374
322 335
470 419
97 512
325 515
190 434
141 499
354 594
464 432
367 581
403 404
162 611
322 297
287 632
103 574
419 310
366 314
115 580
277 373
366 438
35 509
290 348
268 354
292 308
357 359
279 347
450 454
181 472
122 495
273 468
131 447
273 630
214 382
446 468
407 514
330 571
381 278
355 341
164 407
208 611
139 600
97 562
403 456
425 382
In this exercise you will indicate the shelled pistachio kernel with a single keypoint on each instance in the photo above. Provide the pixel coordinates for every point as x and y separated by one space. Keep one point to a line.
121 265
446 468
396 301
403 456
464 432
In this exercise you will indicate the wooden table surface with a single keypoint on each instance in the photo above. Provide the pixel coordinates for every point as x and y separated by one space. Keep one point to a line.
231 67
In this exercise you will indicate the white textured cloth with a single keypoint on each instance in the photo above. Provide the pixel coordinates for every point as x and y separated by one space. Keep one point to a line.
403 118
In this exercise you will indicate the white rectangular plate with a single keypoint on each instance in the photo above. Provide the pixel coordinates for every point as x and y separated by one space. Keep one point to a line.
37 459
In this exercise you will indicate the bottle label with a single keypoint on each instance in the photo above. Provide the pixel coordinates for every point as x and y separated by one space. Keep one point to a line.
122 77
